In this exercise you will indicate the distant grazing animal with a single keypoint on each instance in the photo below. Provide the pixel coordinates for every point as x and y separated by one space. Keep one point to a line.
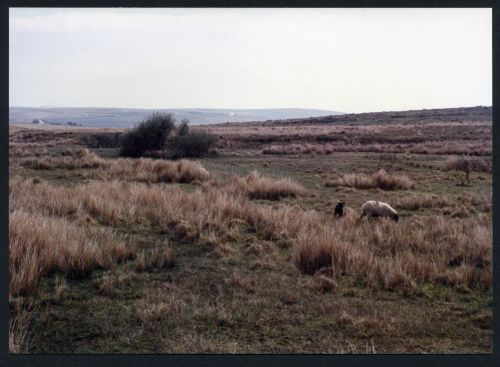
373 209
339 210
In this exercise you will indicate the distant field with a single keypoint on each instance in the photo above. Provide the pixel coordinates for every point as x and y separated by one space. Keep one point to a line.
114 255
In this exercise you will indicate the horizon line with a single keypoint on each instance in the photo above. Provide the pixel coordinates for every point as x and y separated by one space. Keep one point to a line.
271 108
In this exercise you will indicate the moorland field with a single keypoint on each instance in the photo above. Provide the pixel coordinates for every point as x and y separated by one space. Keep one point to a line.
240 251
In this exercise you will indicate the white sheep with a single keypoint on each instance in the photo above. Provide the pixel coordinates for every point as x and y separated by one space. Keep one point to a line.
373 209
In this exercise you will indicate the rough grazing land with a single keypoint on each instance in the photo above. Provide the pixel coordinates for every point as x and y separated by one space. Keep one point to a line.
111 255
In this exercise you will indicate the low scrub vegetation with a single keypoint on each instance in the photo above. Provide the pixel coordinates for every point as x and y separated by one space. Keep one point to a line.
159 135
149 135
191 144
380 179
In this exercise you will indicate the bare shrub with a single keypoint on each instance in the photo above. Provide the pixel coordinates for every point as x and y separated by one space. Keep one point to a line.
464 166
386 161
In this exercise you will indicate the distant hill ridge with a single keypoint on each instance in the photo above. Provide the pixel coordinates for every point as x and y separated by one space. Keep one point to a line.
458 115
127 117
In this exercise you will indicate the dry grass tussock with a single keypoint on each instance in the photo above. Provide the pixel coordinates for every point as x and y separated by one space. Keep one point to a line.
417 201
155 259
464 200
387 255
143 169
207 214
381 254
83 159
257 186
473 148
19 334
464 166
40 245
380 179
154 171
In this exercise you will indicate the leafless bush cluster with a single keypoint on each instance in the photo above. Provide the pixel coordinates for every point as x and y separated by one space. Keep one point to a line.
464 166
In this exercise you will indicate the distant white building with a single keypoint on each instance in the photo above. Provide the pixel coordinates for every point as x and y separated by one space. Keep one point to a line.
38 121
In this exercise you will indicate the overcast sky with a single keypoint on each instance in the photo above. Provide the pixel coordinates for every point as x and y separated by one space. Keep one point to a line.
350 60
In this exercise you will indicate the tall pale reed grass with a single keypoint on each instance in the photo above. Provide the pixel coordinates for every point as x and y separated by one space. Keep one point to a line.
380 179
19 323
382 254
40 245
142 169
257 186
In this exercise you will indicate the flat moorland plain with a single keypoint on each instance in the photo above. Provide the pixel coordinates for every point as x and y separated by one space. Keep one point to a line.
241 252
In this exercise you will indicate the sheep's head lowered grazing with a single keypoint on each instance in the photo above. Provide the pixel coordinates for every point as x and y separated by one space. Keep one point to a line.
373 209
339 209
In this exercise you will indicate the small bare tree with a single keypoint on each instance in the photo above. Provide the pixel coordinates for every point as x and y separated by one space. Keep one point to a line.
387 160
463 167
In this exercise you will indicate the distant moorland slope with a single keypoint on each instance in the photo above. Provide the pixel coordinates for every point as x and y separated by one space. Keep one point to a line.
436 115
127 117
